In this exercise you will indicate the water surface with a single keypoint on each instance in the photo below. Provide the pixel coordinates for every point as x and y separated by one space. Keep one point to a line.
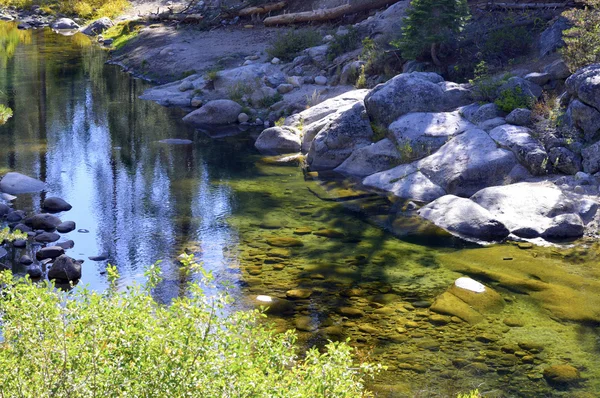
78 125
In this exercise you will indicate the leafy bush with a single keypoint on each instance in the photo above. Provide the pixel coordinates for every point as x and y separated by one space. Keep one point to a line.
5 114
342 44
287 46
123 32
430 23
582 41
123 343
511 99
82 8
485 87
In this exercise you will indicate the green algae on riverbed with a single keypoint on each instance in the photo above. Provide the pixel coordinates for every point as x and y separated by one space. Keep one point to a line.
79 125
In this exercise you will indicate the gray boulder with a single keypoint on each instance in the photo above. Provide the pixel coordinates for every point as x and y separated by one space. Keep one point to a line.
326 108
585 85
49 252
528 150
66 227
564 160
347 132
486 112
425 133
98 26
412 92
55 205
558 70
64 24
491 124
279 140
218 112
65 269
591 158
531 210
464 218
538 78
17 183
251 75
551 39
406 182
385 23
467 163
371 159
519 117
585 118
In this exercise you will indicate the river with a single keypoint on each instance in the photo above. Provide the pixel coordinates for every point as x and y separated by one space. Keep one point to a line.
370 271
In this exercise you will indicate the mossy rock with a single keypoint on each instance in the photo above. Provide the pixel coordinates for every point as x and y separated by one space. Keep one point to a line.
484 300
284 242
329 233
298 294
449 304
560 375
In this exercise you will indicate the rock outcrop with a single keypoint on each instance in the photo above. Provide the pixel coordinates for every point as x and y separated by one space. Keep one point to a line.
279 140
218 112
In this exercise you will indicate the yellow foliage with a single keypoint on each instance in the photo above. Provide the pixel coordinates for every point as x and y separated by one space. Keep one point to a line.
82 8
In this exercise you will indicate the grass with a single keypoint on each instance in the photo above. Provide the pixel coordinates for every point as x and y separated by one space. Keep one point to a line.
287 46
123 32
82 8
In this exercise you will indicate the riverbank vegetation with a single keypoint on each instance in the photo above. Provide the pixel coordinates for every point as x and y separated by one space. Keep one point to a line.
5 114
81 8
124 343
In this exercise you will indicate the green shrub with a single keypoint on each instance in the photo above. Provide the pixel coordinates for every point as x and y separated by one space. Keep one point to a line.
287 46
511 99
342 44
123 32
361 82
379 132
82 8
430 23
485 86
5 114
125 344
582 41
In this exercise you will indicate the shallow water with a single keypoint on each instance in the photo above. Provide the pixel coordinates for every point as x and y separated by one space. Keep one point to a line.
79 126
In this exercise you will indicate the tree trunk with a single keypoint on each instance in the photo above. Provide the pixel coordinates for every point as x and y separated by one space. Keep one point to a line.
327 14
264 9
434 55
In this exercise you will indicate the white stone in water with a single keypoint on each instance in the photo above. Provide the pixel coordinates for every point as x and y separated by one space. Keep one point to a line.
469 284
264 299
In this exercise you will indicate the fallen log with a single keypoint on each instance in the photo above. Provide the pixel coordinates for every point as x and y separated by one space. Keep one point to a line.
327 14
176 17
264 9
522 6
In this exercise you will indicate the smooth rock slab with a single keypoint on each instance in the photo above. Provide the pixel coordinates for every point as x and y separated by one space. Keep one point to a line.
528 150
16 183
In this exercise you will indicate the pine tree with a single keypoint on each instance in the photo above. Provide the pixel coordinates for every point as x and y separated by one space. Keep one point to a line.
428 24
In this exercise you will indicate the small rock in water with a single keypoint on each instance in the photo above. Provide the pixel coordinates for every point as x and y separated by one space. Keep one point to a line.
243 118
69 244
321 80
284 242
65 269
50 252
562 375
329 233
4 209
513 322
25 260
15 216
83 231
55 205
302 231
306 324
47 237
350 312
34 272
101 257
46 222
66 227
20 243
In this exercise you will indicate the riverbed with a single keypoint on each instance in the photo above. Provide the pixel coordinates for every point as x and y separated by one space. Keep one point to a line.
145 188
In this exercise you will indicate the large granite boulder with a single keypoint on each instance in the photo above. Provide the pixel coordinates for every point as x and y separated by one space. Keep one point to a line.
279 140
467 163
425 133
551 39
528 150
531 210
217 112
566 161
371 159
16 183
591 158
586 118
413 92
585 85
465 218
347 132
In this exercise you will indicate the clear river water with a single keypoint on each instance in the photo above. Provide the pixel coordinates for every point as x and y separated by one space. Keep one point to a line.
362 266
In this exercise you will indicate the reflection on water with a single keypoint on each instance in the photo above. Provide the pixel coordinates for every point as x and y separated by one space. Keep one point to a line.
79 126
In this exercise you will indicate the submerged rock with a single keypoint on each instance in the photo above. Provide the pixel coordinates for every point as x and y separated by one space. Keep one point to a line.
50 252
284 242
558 375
